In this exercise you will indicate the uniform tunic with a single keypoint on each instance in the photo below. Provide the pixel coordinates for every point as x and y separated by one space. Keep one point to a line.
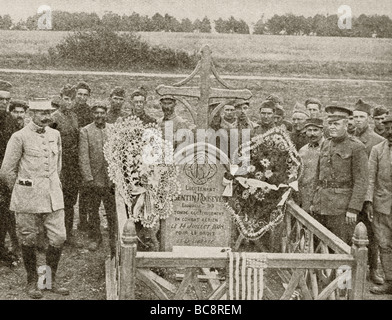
342 178
31 167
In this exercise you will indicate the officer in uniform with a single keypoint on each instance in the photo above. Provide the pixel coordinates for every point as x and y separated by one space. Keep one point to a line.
31 168
341 175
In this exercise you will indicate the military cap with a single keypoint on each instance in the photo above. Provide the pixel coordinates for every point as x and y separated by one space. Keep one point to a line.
140 91
99 104
316 122
275 98
313 101
336 112
363 106
268 104
118 91
241 102
167 97
67 90
5 86
17 103
299 108
379 111
40 104
83 85
279 111
387 119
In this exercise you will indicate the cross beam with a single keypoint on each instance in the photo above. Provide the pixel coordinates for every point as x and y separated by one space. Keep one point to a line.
204 92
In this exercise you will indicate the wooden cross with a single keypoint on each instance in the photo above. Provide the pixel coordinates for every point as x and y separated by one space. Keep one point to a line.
204 92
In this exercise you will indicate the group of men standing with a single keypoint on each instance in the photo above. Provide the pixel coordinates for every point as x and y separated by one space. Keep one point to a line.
49 160
346 167
56 158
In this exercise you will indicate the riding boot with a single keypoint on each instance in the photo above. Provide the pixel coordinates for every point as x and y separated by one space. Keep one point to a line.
53 256
386 262
30 263
374 276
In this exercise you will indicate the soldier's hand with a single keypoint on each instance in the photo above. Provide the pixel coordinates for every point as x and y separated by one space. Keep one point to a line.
351 218
368 209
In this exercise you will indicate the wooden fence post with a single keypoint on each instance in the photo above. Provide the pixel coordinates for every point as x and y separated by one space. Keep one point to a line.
360 252
128 262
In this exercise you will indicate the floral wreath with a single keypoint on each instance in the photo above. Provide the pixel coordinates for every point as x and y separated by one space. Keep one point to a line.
140 163
258 190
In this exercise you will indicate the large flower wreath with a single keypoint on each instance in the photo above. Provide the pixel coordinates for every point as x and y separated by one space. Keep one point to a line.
256 197
141 166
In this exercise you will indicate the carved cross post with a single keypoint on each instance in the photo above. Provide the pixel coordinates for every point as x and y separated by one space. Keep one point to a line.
204 92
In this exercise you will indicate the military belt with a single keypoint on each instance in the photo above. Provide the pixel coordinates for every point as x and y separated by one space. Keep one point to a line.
335 184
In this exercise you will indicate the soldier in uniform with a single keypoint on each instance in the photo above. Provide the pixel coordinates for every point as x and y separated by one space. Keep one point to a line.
31 168
298 135
313 106
369 138
138 101
379 115
117 99
279 112
378 204
341 176
351 126
310 154
267 112
170 123
65 121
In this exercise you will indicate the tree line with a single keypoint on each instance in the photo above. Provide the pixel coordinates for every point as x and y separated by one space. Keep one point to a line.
288 24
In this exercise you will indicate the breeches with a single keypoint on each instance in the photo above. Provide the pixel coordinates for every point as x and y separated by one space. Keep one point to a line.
382 228
29 225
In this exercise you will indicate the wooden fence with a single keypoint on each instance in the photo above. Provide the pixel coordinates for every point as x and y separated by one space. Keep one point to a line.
313 264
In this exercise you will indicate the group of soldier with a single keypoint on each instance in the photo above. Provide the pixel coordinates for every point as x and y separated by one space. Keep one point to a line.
54 158
346 174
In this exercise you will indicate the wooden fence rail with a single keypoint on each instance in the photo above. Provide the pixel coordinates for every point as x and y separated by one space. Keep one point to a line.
321 256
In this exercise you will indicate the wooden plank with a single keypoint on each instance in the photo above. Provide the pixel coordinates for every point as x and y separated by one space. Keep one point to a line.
196 284
159 280
304 288
274 260
219 292
110 279
184 284
328 290
292 285
155 288
334 242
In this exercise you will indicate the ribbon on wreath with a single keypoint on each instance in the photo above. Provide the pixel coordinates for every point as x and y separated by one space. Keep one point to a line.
144 205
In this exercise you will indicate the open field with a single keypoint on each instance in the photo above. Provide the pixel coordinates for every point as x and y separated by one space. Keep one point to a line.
237 54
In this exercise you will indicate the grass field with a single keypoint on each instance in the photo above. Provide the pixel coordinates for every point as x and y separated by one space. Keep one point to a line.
238 54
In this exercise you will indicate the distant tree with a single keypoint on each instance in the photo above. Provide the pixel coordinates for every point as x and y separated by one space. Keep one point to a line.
260 27
220 26
186 25
276 24
5 22
171 23
158 22
205 25
112 21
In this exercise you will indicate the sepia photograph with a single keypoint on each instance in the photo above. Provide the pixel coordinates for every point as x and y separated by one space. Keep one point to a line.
222 150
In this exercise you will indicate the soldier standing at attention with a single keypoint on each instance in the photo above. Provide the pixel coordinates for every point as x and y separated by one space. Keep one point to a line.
341 176
31 168
369 138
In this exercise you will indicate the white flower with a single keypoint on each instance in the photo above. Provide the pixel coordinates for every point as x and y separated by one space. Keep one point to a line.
265 163
259 175
268 174
245 194
252 190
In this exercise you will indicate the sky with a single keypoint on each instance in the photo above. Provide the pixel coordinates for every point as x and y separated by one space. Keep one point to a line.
248 10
